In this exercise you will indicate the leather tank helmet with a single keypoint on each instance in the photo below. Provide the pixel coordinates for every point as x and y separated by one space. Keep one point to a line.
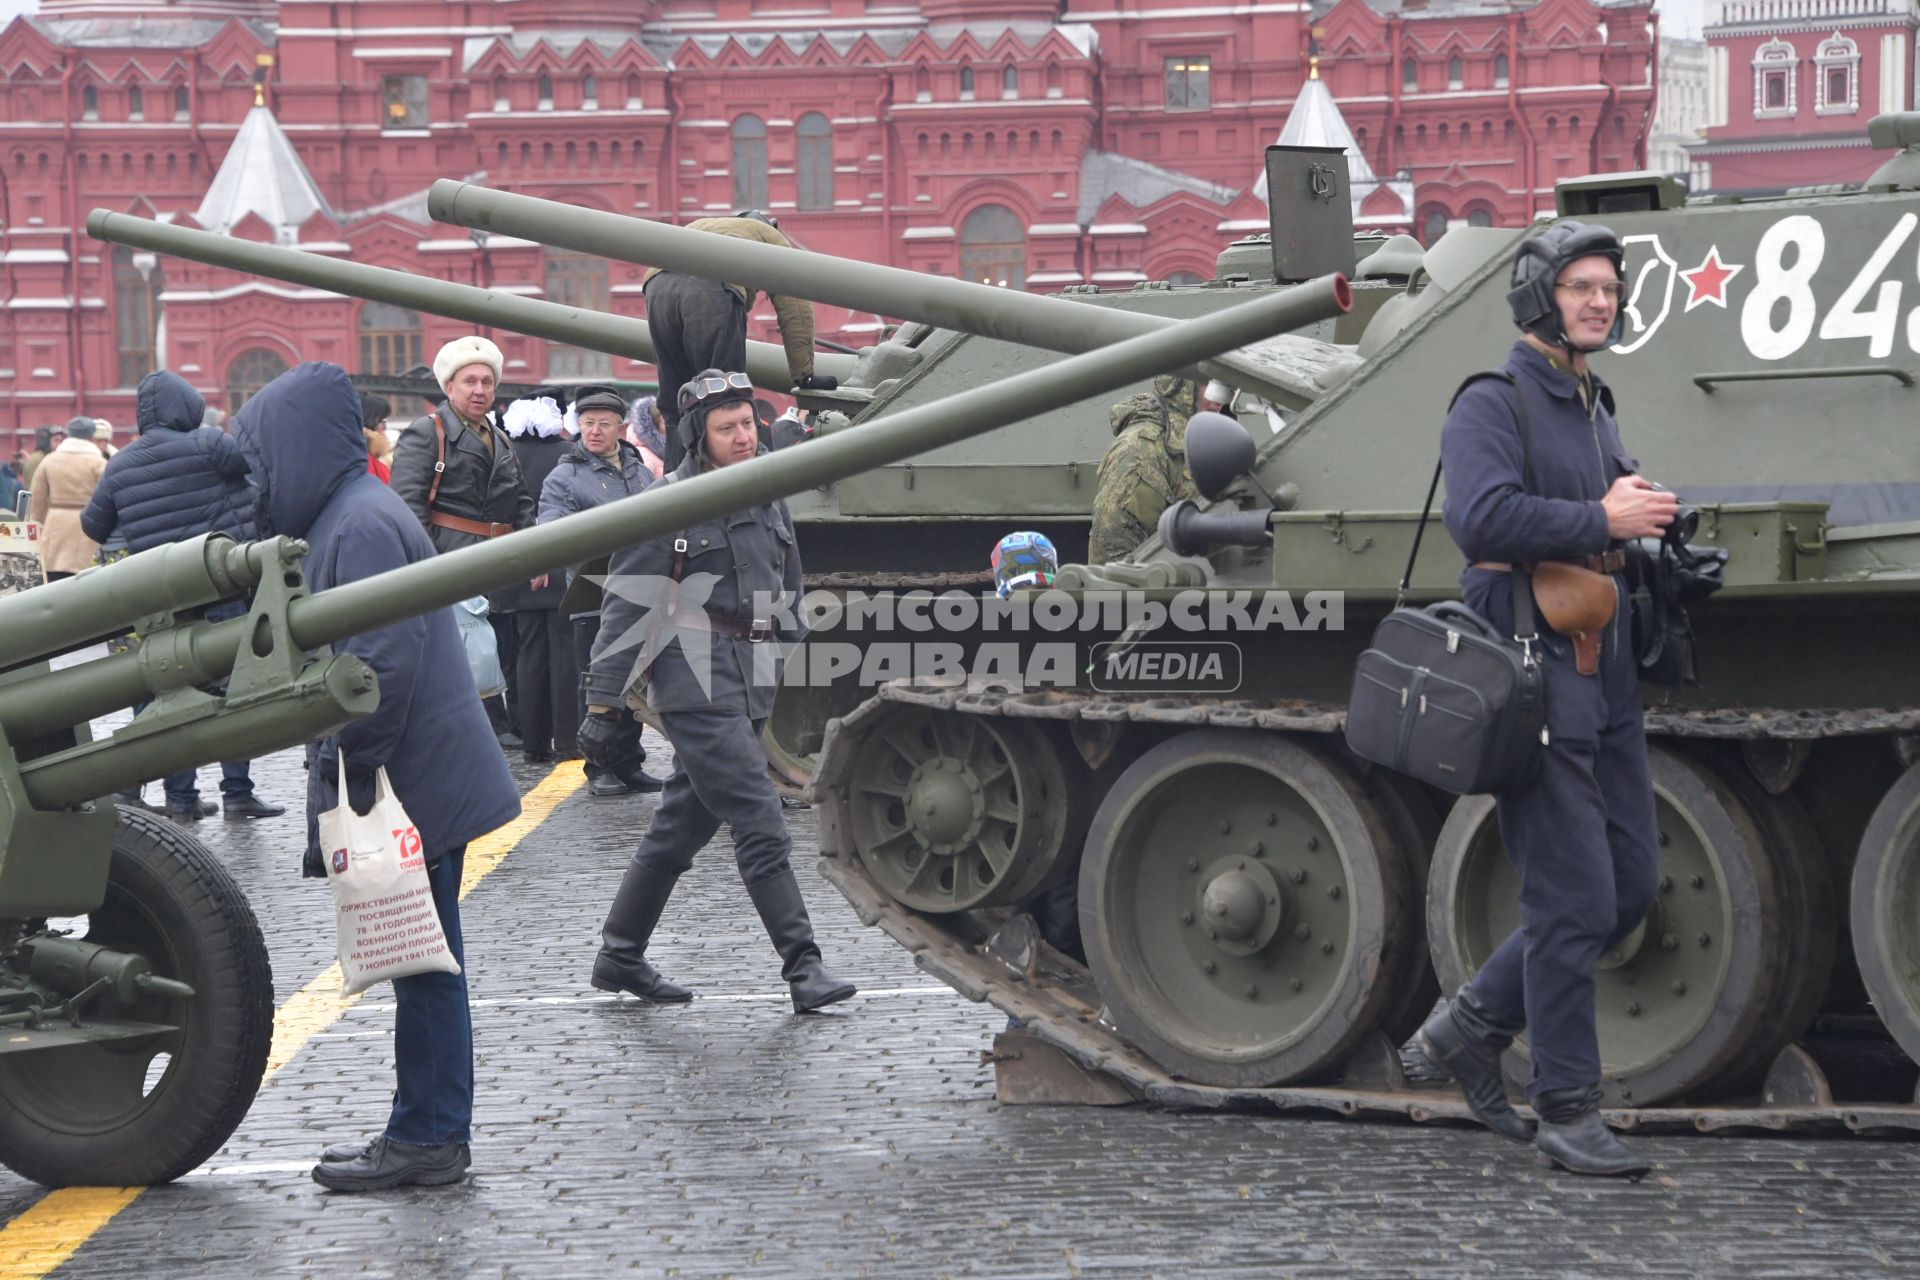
1537 267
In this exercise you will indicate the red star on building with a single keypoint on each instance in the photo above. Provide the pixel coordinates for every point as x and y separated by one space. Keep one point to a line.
1708 281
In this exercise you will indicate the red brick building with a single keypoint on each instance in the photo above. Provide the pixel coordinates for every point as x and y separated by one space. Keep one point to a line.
1038 143
1791 85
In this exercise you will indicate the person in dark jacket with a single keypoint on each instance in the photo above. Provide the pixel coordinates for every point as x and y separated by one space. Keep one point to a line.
599 468
176 481
710 670
302 436
1536 472
545 675
479 493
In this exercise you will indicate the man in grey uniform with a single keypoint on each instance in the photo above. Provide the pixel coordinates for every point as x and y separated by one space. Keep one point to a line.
703 609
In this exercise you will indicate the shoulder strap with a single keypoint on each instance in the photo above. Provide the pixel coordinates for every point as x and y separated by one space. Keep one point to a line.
440 459
1526 630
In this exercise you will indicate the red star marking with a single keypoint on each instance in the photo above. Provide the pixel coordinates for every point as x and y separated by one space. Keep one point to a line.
1708 281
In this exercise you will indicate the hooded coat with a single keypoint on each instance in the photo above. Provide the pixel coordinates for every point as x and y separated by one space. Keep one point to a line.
301 435
178 480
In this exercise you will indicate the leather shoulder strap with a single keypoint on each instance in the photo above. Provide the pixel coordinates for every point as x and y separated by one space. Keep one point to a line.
440 457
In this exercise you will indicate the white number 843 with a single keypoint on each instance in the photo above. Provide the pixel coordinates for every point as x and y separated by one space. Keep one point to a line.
1775 282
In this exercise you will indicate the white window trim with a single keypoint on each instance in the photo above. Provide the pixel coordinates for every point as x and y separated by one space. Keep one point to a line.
1836 51
1769 58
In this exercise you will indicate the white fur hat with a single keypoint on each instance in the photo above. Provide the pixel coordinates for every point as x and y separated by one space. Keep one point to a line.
461 352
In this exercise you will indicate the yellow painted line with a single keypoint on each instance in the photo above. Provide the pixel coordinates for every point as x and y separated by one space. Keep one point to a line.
50 1232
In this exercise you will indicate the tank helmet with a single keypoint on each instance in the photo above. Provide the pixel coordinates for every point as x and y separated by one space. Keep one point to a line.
1537 267
703 392
1024 559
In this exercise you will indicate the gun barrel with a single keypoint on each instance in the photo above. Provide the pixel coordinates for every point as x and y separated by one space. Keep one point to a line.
1052 324
576 326
63 698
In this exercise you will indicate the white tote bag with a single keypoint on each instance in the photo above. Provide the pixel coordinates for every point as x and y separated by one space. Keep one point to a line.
384 904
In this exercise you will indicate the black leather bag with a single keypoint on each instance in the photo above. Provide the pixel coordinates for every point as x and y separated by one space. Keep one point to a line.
1442 696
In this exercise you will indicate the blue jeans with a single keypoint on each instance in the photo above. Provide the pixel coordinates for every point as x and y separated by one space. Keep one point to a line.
433 1033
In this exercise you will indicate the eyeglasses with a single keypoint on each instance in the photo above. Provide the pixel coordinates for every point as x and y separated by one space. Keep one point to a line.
691 393
1614 290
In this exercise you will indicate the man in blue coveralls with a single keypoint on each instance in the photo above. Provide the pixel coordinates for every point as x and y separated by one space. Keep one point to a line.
1582 833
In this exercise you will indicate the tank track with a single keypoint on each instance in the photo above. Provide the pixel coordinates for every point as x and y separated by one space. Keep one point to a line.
997 957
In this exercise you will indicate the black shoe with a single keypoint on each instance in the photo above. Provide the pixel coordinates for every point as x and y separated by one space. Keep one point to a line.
1464 1043
341 1152
1573 1136
386 1164
638 979
622 962
192 812
784 913
509 740
638 779
134 800
251 806
534 756
605 784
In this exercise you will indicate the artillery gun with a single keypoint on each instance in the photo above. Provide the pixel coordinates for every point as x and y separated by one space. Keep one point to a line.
136 1041
1263 916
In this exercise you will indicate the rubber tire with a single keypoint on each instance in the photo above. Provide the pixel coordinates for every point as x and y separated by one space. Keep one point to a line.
221 1057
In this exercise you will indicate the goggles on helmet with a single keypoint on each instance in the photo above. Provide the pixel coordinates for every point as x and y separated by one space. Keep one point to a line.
695 390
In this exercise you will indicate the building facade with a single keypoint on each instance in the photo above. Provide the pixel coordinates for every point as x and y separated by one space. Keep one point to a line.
1031 143
1791 85
1681 116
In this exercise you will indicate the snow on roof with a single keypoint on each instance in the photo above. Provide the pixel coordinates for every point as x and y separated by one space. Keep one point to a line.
262 174
1104 174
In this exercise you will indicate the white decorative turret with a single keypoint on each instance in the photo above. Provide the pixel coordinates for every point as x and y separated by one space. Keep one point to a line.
262 174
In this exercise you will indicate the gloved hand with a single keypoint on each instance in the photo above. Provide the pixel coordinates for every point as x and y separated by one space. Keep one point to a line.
599 737
819 382
360 789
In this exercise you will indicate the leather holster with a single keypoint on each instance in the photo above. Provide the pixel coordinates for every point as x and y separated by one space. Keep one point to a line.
1578 603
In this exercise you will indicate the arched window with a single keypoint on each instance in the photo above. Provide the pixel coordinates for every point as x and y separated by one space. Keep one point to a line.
1837 90
136 104
966 82
1433 225
1185 277
1409 74
1010 82
89 103
389 339
633 92
251 370
500 100
136 313
1054 81
749 162
546 92
922 85
813 161
589 93
1456 73
1480 217
1501 75
993 247
182 102
577 280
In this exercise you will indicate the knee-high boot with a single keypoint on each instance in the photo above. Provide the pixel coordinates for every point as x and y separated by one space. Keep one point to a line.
784 913
622 962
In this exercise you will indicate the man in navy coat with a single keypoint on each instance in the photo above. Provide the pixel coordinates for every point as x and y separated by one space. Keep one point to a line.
301 435
1536 472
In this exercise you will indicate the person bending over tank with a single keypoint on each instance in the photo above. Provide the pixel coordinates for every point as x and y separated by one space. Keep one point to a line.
302 436
1536 472
702 603
697 323
1145 468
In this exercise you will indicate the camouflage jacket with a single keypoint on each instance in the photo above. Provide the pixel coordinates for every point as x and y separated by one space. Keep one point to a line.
1145 470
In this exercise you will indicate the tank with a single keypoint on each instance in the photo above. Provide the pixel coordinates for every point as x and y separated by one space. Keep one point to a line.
1263 919
136 1042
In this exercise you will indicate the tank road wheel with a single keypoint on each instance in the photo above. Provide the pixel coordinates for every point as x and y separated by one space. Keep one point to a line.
1886 910
1685 996
139 1112
950 812
1414 826
1243 908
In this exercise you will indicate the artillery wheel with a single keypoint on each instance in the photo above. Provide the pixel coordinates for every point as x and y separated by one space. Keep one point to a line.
89 1115
1886 910
1243 908
1689 990
1414 826
950 812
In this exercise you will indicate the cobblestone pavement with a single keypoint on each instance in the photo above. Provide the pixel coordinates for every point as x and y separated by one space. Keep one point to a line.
730 1138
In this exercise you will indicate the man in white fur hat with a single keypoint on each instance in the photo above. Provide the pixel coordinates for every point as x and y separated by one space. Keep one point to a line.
456 471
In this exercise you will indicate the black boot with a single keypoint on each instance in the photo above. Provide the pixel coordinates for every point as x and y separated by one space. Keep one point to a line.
622 962
1573 1136
784 913
1467 1044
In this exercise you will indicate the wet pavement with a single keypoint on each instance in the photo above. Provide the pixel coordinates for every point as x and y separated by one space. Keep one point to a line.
728 1137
